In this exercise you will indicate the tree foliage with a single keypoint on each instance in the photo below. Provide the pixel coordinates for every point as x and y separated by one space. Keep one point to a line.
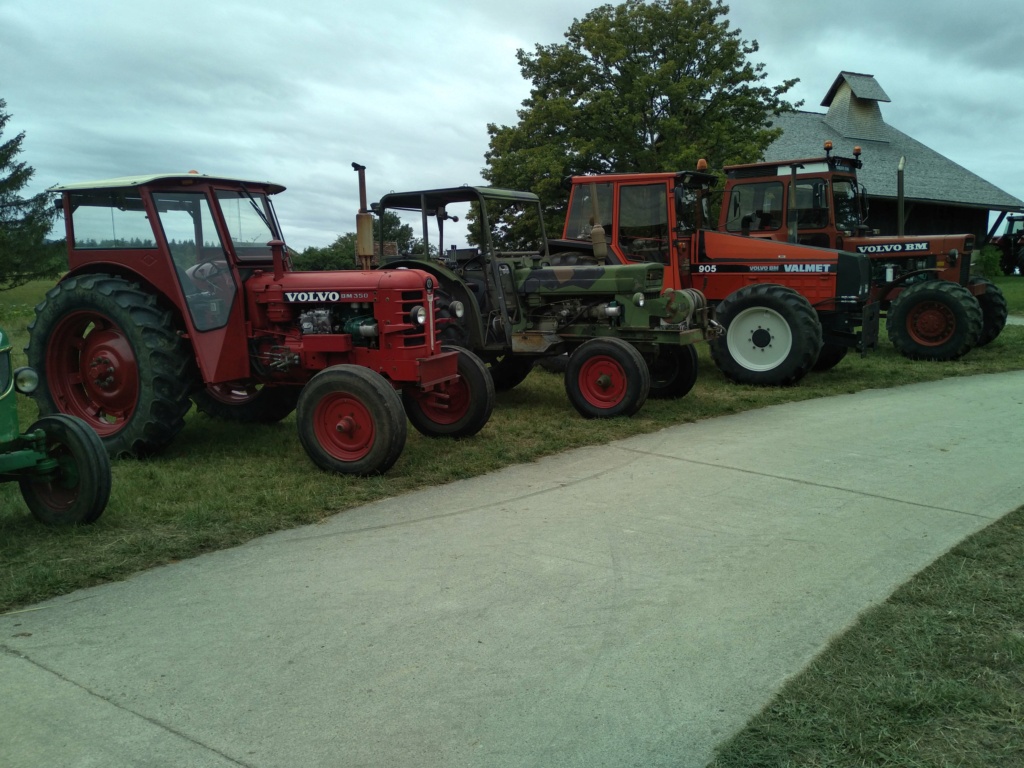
341 254
636 87
25 223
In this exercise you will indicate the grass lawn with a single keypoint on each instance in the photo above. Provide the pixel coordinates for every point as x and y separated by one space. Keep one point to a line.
946 649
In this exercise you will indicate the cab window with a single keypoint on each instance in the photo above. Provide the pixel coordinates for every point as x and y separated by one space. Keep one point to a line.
643 222
755 207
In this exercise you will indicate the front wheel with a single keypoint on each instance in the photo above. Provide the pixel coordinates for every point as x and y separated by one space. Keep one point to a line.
673 372
350 421
458 408
605 378
934 320
772 336
77 491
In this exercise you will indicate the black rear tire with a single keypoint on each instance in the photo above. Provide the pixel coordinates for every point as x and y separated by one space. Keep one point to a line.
77 493
935 320
830 356
993 310
673 372
247 403
772 336
509 371
108 354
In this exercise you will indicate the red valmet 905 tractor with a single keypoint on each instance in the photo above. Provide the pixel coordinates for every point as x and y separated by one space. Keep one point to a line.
180 289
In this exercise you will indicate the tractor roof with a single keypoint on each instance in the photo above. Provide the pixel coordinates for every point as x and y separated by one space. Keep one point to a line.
180 178
435 197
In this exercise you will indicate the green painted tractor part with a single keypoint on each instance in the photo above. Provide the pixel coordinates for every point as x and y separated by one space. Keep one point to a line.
58 462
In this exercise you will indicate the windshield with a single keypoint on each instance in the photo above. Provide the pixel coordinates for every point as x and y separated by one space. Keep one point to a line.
249 220
580 219
844 197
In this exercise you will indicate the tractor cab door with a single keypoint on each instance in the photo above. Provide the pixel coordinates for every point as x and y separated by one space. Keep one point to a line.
208 284
642 230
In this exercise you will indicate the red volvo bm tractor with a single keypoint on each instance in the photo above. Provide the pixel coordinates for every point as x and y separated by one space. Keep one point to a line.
180 289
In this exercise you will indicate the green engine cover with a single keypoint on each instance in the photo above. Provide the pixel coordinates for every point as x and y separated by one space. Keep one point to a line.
610 281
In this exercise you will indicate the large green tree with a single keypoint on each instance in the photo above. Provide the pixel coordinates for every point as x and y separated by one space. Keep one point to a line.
636 87
25 223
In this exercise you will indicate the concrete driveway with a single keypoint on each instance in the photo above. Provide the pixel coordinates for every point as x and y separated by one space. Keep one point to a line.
624 605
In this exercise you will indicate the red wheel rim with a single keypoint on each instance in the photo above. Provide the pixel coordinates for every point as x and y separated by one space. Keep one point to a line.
931 323
344 427
59 495
448 405
602 381
92 371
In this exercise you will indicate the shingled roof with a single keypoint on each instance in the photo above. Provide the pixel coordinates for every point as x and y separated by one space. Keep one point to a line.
854 118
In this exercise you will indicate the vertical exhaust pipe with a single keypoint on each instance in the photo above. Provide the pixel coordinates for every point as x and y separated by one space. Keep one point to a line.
899 195
364 223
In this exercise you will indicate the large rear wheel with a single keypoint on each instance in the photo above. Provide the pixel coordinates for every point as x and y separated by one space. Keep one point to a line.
109 355
993 310
772 336
458 408
509 371
350 421
247 402
934 320
830 356
77 491
673 372
605 378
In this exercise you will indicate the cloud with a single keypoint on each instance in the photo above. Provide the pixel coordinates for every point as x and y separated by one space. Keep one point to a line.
296 93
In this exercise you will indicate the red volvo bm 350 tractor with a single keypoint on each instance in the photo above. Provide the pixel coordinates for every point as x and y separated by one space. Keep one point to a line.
180 289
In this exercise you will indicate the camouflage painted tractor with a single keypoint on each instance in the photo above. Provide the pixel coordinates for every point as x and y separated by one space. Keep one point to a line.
59 463
627 337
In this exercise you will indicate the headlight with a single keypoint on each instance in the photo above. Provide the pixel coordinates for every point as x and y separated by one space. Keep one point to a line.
639 299
26 380
456 309
418 315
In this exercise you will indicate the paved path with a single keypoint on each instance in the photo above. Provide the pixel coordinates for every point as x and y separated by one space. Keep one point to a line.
625 605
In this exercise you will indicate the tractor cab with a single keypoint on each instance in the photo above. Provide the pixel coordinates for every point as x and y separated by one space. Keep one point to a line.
192 237
813 201
476 239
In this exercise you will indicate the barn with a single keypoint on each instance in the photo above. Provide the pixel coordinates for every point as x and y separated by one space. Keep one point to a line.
940 195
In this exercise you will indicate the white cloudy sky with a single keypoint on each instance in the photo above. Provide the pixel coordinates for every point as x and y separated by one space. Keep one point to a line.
295 92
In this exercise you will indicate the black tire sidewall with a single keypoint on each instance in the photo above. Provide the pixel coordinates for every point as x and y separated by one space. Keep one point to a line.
509 371
682 363
994 310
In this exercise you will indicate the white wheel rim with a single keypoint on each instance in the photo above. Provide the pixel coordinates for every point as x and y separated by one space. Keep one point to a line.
759 339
